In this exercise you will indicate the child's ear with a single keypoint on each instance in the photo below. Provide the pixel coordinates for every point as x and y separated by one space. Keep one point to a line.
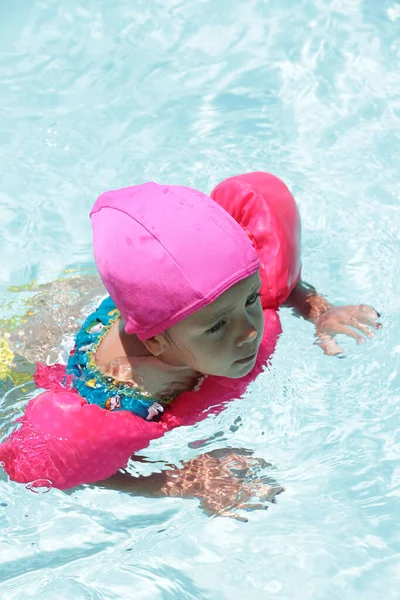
156 345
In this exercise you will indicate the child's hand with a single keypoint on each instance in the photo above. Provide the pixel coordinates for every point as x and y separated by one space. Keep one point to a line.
348 320
224 481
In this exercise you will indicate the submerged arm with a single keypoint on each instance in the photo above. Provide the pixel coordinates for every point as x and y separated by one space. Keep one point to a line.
306 302
330 320
224 481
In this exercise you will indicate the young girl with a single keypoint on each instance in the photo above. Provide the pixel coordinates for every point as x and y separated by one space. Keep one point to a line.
194 287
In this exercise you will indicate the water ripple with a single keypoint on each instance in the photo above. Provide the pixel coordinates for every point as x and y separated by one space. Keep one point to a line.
97 95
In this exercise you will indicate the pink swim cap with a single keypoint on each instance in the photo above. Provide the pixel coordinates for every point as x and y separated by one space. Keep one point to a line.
166 251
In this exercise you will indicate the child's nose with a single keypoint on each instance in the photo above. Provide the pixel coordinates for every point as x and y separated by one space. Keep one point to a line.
249 335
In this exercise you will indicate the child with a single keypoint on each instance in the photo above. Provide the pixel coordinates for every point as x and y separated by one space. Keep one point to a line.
201 314
194 294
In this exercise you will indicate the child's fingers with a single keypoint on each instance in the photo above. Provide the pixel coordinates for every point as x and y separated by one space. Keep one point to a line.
328 344
230 514
362 327
267 493
252 506
368 317
341 328
369 313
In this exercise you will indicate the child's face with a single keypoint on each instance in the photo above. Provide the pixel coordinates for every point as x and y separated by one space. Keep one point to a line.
222 338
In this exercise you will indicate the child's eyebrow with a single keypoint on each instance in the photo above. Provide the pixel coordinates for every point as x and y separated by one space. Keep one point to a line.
222 313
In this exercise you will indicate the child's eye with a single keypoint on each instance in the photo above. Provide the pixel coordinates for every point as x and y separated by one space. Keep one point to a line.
217 327
253 298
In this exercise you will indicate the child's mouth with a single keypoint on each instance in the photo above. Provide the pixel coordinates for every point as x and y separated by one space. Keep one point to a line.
247 359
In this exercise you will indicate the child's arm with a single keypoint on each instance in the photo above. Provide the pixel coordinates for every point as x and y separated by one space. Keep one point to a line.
329 320
224 480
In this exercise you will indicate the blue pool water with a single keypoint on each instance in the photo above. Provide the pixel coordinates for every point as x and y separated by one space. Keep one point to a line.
97 95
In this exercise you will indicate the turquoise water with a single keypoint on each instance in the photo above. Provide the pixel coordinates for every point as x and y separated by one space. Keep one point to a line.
97 95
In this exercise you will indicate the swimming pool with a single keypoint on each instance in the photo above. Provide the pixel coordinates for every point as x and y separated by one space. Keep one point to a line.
97 95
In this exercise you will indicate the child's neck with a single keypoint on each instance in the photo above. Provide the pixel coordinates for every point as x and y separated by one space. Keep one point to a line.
126 358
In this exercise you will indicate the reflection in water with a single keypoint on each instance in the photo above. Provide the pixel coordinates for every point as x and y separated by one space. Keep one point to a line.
55 310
